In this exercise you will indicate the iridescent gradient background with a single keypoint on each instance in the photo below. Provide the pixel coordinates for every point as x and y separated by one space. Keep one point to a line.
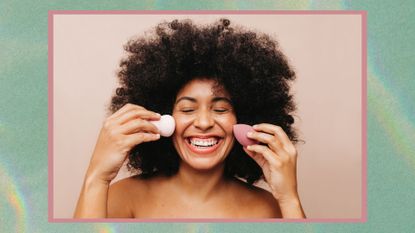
24 122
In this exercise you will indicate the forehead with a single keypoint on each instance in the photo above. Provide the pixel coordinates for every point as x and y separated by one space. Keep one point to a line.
202 87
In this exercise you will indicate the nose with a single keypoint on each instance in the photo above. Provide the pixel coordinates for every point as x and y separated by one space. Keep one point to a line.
204 120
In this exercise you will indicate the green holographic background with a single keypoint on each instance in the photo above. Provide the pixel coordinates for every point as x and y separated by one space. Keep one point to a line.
24 116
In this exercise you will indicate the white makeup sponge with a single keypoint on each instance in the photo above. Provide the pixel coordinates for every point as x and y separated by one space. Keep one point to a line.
166 125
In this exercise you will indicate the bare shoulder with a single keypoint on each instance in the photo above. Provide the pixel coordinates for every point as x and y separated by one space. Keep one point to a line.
123 194
257 202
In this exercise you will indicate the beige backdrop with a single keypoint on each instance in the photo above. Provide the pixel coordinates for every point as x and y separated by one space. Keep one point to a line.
325 51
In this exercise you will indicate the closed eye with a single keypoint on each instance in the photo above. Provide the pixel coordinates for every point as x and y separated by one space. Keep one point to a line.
187 110
220 110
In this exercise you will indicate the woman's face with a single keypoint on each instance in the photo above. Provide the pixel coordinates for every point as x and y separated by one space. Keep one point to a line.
204 118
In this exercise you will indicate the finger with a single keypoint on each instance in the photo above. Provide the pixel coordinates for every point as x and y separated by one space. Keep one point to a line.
137 114
138 138
271 140
277 131
258 158
271 157
138 125
127 107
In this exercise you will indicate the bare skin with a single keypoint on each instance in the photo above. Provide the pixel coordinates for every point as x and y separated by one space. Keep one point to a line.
162 198
120 132
199 189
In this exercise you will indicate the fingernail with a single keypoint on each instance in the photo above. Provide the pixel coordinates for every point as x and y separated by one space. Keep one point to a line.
255 126
248 147
249 134
157 136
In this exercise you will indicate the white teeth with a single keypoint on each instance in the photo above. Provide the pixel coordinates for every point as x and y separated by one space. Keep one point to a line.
203 142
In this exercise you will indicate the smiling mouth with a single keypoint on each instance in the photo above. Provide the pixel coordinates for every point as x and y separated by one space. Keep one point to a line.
203 142
203 145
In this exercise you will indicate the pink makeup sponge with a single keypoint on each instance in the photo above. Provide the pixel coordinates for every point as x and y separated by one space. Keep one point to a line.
166 125
240 131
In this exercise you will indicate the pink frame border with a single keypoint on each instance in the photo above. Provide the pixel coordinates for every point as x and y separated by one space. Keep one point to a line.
363 14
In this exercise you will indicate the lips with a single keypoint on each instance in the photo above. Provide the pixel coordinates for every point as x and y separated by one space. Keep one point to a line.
203 144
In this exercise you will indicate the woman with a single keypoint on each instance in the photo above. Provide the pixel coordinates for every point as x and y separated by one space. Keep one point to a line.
209 78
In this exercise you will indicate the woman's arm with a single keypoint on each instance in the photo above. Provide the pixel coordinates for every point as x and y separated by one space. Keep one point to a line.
121 131
278 159
292 208
92 201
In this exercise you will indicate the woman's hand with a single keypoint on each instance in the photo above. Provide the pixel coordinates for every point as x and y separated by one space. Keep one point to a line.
123 130
278 159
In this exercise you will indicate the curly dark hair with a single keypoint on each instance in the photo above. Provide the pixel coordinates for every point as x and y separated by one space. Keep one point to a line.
249 65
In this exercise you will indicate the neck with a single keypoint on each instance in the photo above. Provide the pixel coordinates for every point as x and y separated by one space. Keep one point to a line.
199 184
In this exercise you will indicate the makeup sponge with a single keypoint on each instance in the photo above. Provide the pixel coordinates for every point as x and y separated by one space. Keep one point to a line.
240 131
166 125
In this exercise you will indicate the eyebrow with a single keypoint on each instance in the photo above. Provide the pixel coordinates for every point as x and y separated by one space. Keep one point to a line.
214 100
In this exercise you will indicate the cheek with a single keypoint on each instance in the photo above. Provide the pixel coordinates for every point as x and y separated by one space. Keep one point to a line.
182 122
228 122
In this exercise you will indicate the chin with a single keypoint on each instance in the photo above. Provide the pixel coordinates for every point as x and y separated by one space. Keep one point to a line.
203 163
